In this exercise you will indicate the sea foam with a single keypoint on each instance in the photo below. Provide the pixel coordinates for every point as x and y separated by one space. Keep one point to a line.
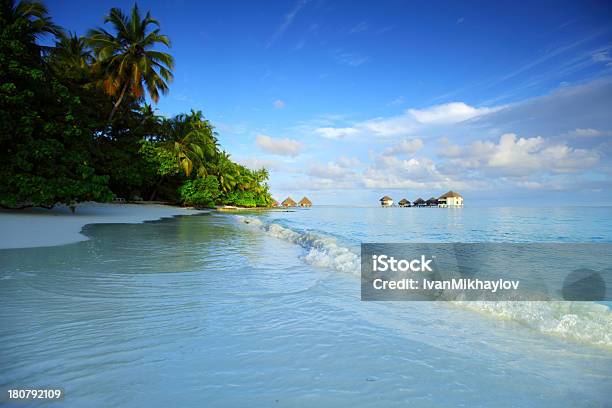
321 251
585 322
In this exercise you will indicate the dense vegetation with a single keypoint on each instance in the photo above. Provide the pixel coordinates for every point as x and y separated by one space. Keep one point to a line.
75 124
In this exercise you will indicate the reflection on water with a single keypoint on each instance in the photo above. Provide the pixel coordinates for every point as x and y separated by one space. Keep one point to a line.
203 311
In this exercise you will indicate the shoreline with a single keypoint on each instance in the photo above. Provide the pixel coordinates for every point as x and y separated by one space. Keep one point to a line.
232 208
39 227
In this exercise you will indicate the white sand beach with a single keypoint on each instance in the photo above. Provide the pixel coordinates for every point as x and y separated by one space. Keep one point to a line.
37 227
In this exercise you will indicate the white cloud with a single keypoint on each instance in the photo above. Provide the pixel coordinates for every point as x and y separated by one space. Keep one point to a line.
340 174
283 147
532 185
362 26
397 101
350 59
331 171
287 20
335 133
479 147
255 163
331 175
521 162
410 121
587 132
452 112
279 104
349 162
315 183
603 56
385 127
406 146
416 173
237 129
448 149
514 156
574 107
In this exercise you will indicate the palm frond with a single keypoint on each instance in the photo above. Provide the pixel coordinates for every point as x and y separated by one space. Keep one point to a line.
128 56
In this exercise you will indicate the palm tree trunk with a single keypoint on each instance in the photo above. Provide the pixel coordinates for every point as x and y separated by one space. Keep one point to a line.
116 104
154 193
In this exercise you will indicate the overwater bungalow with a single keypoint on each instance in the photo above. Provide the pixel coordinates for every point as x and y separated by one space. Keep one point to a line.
404 203
386 201
432 202
288 202
450 199
419 202
305 202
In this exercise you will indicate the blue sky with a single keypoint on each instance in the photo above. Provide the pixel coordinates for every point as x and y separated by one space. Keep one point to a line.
348 100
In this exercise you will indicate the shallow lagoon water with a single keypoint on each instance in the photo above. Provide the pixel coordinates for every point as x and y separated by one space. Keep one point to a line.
212 310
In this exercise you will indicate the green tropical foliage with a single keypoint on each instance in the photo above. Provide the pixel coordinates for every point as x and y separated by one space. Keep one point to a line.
75 124
72 52
201 192
30 18
127 59
192 140
44 156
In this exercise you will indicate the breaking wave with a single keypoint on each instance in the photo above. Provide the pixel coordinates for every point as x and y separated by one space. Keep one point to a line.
585 322
321 251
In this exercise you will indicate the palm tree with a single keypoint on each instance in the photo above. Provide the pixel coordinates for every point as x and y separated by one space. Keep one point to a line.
192 141
34 12
127 59
72 50
226 172
261 175
147 114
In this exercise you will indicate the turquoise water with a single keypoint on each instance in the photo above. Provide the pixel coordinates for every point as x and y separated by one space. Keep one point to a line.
264 310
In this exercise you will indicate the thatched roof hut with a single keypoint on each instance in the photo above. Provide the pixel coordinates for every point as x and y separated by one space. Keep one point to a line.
450 194
288 202
450 199
275 203
386 201
305 202
432 202
404 203
419 202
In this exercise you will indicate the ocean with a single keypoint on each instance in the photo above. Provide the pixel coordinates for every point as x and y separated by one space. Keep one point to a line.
263 309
